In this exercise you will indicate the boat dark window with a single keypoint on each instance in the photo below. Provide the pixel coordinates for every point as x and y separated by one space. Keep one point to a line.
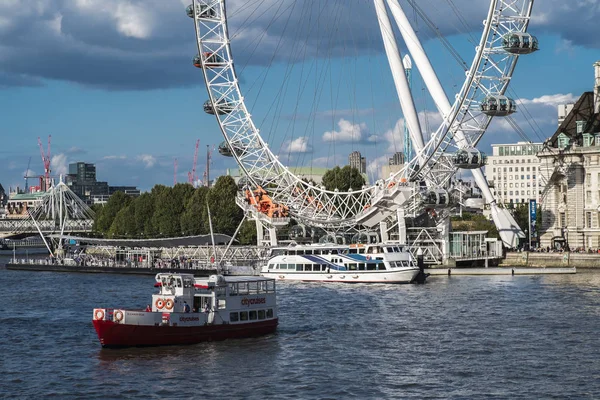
361 251
317 252
361 267
381 267
291 252
244 316
252 315
299 267
233 290
270 286
397 249
252 287
308 267
261 314
243 288
262 286
333 251
300 252
278 252
353 251
371 267
270 313
308 252
352 267
234 317
317 267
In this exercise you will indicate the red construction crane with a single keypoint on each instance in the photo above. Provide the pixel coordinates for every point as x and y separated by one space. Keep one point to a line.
175 172
192 175
46 161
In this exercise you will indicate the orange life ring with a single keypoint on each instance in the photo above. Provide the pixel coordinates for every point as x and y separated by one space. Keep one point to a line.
118 315
99 314
160 303
391 185
169 304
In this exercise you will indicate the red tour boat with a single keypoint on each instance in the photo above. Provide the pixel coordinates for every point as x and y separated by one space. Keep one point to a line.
189 310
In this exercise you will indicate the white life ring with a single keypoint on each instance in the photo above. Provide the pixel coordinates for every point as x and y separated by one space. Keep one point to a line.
118 315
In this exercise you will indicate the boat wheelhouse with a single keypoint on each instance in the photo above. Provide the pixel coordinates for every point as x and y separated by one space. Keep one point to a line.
189 310
381 262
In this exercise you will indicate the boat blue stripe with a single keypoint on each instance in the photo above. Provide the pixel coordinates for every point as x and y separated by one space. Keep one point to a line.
321 260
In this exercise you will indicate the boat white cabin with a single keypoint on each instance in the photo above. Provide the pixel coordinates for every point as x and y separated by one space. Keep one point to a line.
381 262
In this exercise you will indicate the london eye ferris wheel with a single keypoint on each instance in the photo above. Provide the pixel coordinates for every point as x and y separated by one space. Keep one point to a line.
423 179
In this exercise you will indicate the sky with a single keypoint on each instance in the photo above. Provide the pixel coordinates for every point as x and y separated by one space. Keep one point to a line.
112 81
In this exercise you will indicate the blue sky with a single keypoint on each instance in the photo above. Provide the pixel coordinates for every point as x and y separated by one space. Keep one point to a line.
112 81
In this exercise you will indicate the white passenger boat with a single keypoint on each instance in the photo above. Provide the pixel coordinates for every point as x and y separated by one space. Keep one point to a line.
375 263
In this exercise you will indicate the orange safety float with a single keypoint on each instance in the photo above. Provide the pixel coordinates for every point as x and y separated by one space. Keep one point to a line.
169 304
99 314
160 303
118 315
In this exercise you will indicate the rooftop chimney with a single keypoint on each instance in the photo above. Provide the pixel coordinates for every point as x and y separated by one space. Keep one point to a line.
597 87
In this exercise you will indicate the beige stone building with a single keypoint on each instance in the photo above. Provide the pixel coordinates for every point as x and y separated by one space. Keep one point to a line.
571 158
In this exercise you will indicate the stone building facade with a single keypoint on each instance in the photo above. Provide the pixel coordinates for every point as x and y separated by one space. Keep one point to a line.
571 158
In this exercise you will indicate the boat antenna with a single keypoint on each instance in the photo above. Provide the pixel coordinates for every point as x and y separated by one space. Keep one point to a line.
212 235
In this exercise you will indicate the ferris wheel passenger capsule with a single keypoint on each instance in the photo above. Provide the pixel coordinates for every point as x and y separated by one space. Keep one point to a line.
498 106
470 158
225 150
436 198
520 43
211 60
221 108
203 11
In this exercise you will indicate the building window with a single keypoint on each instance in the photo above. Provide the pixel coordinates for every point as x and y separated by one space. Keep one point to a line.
588 179
562 220
588 196
528 176
580 126
522 176
588 219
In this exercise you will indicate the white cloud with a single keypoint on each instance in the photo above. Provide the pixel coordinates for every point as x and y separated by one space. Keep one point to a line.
59 164
299 145
148 160
350 133
374 167
115 157
552 100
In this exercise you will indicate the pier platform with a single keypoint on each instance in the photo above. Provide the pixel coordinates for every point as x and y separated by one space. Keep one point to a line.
500 271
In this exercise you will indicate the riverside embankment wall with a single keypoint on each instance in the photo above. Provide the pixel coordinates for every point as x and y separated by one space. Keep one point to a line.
525 259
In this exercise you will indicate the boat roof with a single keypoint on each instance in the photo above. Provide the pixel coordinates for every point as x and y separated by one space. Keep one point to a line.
233 279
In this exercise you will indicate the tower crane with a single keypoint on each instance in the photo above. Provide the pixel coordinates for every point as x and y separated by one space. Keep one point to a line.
46 161
175 172
192 174
27 175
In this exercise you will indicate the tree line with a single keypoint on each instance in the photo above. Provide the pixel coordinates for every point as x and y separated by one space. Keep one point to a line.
175 211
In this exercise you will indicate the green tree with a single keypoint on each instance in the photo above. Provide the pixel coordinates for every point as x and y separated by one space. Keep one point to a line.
124 224
193 220
343 179
144 209
107 214
167 212
225 214
521 215
247 233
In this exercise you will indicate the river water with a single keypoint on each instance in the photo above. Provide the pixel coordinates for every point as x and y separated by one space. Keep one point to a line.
462 337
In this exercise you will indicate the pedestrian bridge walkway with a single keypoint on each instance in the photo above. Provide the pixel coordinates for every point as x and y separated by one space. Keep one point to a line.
10 228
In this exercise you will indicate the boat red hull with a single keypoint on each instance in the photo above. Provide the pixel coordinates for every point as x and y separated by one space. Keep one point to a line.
113 334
